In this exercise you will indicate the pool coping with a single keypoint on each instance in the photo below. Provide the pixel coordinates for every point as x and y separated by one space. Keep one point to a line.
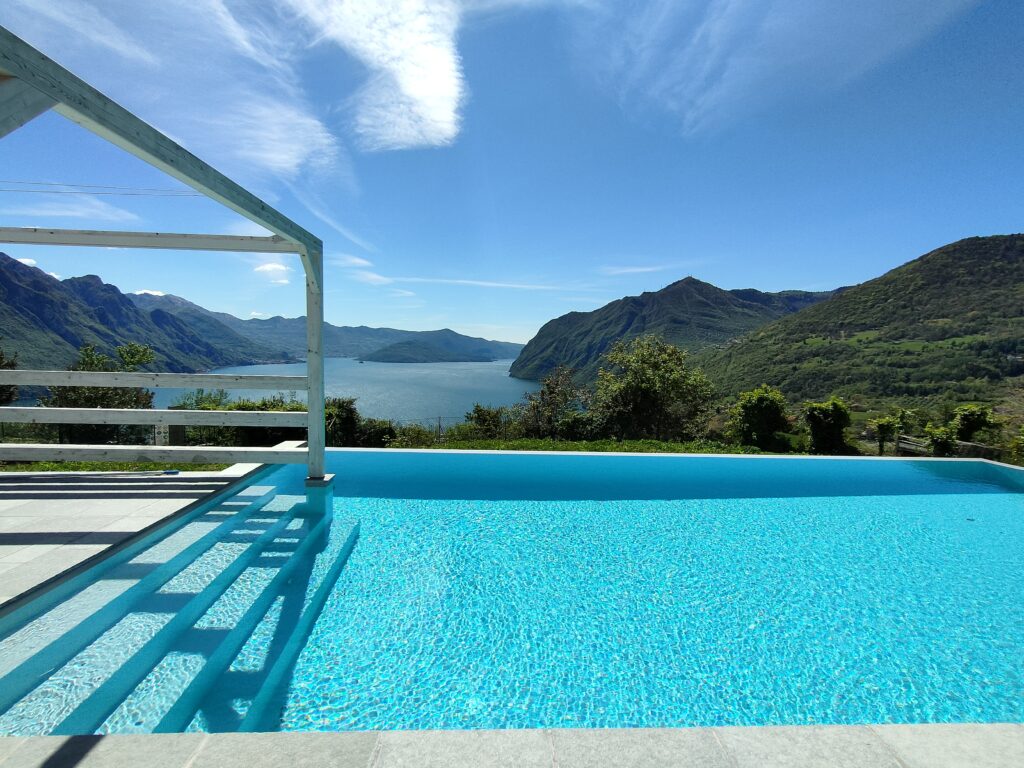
950 745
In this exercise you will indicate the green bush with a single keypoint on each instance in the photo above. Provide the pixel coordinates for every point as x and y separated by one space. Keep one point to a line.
827 423
941 439
757 416
8 393
969 420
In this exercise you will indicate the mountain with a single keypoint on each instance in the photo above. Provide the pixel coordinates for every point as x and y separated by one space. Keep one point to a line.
288 335
45 321
689 313
950 322
444 346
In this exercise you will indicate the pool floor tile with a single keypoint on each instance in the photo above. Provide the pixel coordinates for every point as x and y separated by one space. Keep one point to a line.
990 745
464 749
806 747
639 748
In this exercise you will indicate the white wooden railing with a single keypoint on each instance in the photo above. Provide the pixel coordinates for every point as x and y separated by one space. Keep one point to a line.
120 416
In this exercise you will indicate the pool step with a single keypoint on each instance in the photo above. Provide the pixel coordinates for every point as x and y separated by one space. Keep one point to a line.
36 669
190 701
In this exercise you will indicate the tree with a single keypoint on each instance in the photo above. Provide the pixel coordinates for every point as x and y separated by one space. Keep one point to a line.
941 439
548 412
650 391
827 423
129 358
757 416
968 420
488 423
886 429
8 393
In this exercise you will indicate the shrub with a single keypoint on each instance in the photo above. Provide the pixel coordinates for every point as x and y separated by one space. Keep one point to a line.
827 423
129 358
885 429
757 416
941 439
545 412
969 420
649 391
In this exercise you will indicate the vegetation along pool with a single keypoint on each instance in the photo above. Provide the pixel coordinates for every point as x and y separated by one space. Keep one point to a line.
475 590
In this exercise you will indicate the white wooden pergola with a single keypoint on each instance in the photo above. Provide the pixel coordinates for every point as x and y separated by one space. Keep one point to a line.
31 84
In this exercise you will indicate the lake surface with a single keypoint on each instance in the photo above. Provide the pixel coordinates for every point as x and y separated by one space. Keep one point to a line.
399 391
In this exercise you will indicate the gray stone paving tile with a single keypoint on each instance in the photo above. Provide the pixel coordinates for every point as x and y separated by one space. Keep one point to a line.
464 749
27 553
9 522
639 748
286 750
162 751
806 747
8 744
989 745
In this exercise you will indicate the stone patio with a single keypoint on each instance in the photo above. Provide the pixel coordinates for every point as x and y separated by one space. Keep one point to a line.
51 522
884 746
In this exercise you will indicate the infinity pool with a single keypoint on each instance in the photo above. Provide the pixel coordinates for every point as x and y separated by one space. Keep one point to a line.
462 590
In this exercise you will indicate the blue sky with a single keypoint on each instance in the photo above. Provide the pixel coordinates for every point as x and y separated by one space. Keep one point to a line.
487 165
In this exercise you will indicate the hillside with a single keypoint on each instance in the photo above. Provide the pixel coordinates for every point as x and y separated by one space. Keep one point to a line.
950 323
689 313
45 321
287 335
444 346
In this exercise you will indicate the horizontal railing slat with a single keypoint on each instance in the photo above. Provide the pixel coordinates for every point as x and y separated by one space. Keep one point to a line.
19 415
26 378
157 453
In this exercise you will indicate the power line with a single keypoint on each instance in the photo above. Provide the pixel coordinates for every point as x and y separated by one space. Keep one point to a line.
93 192
68 188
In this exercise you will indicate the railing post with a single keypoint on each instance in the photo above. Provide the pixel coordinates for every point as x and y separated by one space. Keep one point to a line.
315 437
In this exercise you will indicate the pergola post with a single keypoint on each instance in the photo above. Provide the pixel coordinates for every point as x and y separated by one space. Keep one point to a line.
315 433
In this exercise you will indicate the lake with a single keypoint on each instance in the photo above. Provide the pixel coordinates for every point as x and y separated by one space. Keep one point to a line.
401 391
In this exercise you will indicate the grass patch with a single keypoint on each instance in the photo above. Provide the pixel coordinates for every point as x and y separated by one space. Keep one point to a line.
105 466
596 446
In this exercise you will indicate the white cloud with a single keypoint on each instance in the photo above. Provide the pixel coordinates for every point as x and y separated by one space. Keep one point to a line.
54 275
630 270
280 281
149 292
258 314
72 207
371 278
401 293
711 61
82 18
348 260
28 262
415 86
477 283
272 268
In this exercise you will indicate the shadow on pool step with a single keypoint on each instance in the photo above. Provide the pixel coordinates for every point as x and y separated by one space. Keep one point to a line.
162 653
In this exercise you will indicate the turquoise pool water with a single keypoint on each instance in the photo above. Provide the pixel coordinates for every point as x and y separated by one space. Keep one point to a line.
464 590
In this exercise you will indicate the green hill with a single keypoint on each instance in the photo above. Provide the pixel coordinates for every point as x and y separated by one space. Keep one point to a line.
444 346
950 323
45 321
688 313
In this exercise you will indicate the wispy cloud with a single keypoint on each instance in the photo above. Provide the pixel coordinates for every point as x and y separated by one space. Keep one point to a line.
711 61
54 275
78 17
401 293
632 270
348 260
259 315
72 207
148 292
28 262
370 278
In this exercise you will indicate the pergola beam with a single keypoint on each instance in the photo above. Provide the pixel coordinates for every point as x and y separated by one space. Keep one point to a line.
81 103
19 103
166 240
